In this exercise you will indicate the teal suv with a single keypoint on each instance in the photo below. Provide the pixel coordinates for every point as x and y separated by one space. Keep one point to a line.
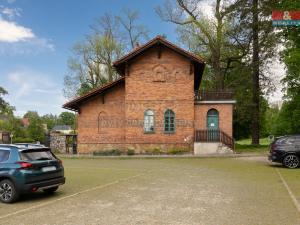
28 168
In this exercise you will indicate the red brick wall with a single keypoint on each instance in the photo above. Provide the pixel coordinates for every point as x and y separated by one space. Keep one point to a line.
225 116
156 83
101 125
159 84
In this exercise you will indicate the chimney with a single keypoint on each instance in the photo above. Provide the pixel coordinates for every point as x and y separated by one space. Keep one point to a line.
137 45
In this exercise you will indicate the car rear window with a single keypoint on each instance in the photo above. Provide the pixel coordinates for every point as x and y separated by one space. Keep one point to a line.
4 155
36 154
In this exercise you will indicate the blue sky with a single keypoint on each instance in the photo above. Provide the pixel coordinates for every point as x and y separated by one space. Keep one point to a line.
35 41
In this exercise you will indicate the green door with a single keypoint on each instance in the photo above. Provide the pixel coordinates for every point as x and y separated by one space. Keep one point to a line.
213 125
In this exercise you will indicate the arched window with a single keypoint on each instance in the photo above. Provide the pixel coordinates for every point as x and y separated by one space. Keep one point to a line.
149 121
169 124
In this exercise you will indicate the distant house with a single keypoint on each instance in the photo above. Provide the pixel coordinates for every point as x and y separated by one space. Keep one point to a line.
25 122
63 129
156 103
4 137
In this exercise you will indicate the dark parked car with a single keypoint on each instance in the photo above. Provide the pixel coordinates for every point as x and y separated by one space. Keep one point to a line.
286 150
28 169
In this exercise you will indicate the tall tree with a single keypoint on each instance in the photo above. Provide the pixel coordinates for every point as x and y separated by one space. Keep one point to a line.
91 66
91 63
35 129
2 102
226 40
134 32
255 74
50 120
264 46
214 38
288 121
66 118
5 108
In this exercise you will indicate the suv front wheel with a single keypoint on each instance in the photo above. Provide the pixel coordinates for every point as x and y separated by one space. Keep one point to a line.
291 161
8 192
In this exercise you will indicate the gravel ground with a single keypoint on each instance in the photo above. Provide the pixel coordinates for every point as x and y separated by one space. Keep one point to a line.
164 191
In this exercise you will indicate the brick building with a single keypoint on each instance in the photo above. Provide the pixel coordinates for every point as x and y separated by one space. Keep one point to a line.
156 103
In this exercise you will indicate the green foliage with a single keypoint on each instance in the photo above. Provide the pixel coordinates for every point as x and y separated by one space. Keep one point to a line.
113 152
263 149
247 142
155 151
130 152
13 125
288 118
177 151
35 129
50 120
66 118
23 140
3 103
245 146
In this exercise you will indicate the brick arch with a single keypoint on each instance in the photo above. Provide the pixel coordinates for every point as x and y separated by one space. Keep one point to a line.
102 120
211 111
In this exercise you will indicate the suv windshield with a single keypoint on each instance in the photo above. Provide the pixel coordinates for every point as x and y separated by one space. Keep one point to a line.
37 154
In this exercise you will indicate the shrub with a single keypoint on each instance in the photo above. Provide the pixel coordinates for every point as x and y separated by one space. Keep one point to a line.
177 151
130 152
156 151
113 152
22 140
55 150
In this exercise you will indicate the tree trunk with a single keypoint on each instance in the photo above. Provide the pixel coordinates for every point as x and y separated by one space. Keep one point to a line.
255 75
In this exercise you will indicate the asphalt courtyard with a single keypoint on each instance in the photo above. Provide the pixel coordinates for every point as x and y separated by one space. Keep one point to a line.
216 191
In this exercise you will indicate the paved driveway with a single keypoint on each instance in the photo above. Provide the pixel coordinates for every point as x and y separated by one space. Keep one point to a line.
165 191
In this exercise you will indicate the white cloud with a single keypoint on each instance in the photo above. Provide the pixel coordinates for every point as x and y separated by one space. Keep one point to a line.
16 39
33 47
27 82
10 13
12 32
33 90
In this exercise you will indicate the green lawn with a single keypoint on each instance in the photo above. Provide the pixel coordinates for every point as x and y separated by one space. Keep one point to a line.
164 191
245 146
262 141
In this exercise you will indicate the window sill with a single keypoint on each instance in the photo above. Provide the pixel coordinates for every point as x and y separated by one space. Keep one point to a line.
149 132
169 132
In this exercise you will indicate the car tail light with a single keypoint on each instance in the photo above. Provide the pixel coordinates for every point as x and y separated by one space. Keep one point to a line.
25 165
60 162
34 189
273 147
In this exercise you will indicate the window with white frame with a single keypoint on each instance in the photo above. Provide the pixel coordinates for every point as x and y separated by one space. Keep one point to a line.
149 121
